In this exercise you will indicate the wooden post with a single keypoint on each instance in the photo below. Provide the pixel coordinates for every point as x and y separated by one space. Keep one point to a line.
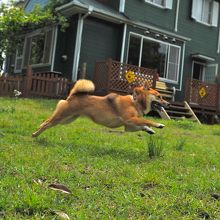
28 82
82 74
109 74
218 97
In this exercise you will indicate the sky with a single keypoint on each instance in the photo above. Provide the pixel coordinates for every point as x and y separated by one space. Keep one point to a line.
3 1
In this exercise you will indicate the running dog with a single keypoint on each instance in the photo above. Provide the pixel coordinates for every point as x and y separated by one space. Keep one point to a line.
112 110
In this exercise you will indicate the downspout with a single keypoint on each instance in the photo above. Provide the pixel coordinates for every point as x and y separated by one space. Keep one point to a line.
177 15
78 43
123 43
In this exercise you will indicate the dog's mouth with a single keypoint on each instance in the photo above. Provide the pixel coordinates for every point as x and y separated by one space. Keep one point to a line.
156 106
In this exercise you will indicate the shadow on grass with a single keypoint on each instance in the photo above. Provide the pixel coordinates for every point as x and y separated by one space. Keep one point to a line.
106 152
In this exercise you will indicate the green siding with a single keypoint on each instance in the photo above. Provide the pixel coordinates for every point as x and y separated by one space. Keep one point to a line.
204 40
150 14
100 41
113 4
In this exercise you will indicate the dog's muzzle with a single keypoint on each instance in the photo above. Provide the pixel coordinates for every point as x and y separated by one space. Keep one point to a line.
157 106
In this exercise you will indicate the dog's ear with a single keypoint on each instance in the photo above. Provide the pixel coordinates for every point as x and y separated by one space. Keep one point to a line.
146 85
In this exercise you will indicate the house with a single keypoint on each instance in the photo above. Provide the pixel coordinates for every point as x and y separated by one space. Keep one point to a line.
178 38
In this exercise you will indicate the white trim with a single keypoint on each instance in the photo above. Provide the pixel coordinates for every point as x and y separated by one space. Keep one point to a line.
218 46
203 57
203 71
165 5
77 48
177 15
31 35
123 43
54 48
181 72
141 51
122 6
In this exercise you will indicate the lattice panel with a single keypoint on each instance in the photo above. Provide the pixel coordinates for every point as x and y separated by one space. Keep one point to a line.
209 98
101 76
118 81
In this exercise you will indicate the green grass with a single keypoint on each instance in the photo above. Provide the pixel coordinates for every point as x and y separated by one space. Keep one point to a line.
110 174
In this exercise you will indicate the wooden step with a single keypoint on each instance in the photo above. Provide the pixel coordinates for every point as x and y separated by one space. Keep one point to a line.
164 91
172 113
178 108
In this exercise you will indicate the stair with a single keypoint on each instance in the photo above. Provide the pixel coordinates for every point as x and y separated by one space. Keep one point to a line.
166 92
178 111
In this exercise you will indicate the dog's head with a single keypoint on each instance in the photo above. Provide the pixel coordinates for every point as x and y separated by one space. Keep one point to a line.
148 98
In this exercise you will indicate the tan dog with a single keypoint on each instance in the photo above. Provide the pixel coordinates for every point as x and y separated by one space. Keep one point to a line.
112 110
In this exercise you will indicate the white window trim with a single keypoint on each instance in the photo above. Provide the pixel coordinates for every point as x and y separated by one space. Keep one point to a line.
159 41
158 5
203 72
205 23
16 58
35 33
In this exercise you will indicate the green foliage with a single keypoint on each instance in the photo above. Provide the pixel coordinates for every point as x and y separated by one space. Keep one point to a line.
180 144
14 22
155 147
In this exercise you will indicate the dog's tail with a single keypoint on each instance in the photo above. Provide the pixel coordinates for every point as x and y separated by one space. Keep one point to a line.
82 86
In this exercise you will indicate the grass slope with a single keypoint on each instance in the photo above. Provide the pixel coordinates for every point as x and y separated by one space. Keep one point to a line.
110 174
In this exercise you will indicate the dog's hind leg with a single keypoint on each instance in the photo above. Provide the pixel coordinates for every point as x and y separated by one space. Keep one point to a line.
62 114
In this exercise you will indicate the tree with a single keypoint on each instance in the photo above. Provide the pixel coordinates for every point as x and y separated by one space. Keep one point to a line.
14 22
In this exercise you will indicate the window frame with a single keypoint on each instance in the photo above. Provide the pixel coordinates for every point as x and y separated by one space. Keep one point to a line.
214 15
31 36
142 37
164 5
204 71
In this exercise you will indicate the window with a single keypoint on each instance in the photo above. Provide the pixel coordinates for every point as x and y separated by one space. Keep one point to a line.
38 48
205 11
204 72
19 56
161 3
154 54
198 70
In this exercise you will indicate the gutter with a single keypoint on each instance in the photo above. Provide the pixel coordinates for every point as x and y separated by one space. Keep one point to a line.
66 9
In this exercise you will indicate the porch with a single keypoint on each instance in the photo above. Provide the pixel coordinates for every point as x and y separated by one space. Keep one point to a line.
204 99
201 97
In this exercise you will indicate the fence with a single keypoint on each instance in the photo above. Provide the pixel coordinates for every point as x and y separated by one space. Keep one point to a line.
48 84
202 94
113 76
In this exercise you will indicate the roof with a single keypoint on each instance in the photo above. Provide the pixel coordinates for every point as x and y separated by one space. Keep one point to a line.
83 6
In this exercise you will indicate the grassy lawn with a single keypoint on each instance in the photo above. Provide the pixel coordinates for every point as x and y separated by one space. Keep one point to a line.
110 174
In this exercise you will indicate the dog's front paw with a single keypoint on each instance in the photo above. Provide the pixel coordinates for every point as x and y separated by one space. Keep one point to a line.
149 130
160 126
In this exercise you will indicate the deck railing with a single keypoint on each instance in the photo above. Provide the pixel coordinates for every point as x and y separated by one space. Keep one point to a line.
203 94
112 76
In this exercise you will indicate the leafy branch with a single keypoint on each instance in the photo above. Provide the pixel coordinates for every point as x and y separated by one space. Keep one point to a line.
14 22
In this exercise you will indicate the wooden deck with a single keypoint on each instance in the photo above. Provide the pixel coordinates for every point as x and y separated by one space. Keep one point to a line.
204 98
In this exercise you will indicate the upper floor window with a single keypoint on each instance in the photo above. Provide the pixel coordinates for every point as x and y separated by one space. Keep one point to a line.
161 3
155 54
205 11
